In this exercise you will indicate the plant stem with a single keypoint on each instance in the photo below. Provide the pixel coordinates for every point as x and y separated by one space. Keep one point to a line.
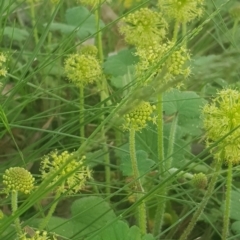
103 95
227 203
163 192
33 18
234 27
203 203
45 221
141 209
81 113
171 142
184 34
161 168
14 202
159 110
175 31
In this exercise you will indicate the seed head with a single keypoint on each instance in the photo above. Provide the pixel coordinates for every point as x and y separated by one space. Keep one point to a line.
200 180
82 69
181 10
73 172
18 179
220 118
137 119
143 27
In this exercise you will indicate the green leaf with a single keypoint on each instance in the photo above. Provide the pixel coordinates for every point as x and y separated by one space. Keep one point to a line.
16 34
236 227
120 64
144 163
188 106
60 226
235 209
80 16
90 214
124 80
120 230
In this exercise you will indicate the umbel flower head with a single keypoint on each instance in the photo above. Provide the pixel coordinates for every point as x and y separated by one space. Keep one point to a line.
137 119
73 172
220 118
157 56
181 10
18 179
93 3
3 59
82 69
143 27
39 236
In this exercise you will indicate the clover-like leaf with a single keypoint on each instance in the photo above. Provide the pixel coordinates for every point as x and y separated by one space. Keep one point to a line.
144 163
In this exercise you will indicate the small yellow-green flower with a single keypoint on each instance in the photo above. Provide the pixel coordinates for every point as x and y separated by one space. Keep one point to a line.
18 179
200 180
39 236
89 50
220 118
181 10
235 11
73 172
82 69
157 56
3 70
137 119
93 3
129 3
143 27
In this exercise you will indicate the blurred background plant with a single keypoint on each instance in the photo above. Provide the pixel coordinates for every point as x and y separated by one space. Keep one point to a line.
40 112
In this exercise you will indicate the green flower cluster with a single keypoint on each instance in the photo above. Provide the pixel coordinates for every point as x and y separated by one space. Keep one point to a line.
82 69
143 27
137 119
73 172
3 59
181 10
235 11
39 236
93 3
18 179
157 56
220 118
200 180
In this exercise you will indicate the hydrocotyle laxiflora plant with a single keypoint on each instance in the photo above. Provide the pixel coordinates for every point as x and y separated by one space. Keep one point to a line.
136 120
221 122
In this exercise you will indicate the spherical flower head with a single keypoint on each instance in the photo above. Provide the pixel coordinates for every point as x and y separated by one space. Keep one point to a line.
157 56
55 1
220 118
82 69
143 27
235 11
129 3
200 180
93 3
3 59
89 50
181 10
137 119
73 172
18 179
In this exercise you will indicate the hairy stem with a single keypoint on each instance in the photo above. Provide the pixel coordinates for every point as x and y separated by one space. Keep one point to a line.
203 203
227 203
141 209
14 202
